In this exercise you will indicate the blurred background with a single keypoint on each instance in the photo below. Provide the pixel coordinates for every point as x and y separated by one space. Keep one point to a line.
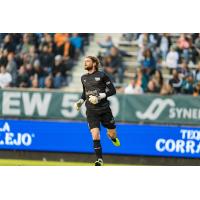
157 77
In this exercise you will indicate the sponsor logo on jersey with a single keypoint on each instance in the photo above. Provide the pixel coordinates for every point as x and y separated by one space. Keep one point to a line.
92 92
107 83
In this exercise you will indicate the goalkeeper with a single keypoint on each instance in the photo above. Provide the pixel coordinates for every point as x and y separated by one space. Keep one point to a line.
96 88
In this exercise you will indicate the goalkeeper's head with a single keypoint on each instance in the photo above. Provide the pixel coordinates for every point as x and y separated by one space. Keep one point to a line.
91 62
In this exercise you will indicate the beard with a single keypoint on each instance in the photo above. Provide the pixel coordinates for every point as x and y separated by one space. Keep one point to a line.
88 67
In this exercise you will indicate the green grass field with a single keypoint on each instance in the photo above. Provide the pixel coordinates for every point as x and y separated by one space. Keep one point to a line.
7 162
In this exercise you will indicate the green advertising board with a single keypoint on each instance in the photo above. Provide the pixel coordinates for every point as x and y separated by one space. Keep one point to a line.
179 109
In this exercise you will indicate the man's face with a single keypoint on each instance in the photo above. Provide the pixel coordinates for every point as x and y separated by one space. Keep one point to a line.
26 38
190 79
45 49
3 70
88 64
175 74
7 39
113 51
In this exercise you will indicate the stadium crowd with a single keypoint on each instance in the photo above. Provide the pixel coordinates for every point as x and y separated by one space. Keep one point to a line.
45 60
178 53
39 60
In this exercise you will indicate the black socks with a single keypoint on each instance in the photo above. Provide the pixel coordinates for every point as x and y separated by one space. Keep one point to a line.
97 148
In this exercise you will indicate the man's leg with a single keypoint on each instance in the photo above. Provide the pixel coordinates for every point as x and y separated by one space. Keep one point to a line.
112 134
96 141
94 125
108 121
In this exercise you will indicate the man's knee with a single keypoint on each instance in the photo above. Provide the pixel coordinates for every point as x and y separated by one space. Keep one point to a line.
95 133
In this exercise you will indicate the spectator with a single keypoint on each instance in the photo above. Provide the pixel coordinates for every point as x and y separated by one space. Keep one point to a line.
146 40
192 52
29 70
69 50
12 68
188 85
159 63
164 44
133 88
183 46
59 72
141 79
197 42
48 40
107 44
86 38
5 77
46 59
166 89
142 44
183 68
31 56
3 57
8 44
182 42
196 91
26 45
148 63
22 78
39 72
176 82
108 68
114 65
35 82
172 59
151 87
59 39
64 46
158 80
130 88
77 43
129 36
16 39
48 82
197 72
35 38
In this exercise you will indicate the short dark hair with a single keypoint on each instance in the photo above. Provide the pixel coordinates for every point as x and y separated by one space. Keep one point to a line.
94 60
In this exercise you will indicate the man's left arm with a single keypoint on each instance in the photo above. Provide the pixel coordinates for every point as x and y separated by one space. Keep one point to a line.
110 89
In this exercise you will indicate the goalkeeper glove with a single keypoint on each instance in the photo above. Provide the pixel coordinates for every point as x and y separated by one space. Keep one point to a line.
78 104
95 100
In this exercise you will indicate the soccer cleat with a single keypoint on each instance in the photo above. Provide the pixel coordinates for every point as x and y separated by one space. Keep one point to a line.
99 162
116 142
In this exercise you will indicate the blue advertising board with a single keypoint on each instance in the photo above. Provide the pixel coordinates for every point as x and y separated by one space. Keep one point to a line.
152 140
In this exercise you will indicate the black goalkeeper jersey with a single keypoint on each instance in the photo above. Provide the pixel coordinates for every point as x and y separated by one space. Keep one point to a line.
93 84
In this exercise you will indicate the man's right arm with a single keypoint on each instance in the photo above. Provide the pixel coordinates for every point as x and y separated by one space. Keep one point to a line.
83 93
79 103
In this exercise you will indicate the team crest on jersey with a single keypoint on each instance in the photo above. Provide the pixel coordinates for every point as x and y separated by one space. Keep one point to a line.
97 78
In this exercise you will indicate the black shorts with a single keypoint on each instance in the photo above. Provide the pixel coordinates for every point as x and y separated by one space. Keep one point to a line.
103 116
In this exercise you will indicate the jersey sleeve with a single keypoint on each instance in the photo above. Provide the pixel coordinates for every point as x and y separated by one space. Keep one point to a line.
110 89
83 92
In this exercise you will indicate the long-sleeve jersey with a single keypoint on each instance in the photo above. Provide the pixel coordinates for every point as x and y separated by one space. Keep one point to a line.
95 83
